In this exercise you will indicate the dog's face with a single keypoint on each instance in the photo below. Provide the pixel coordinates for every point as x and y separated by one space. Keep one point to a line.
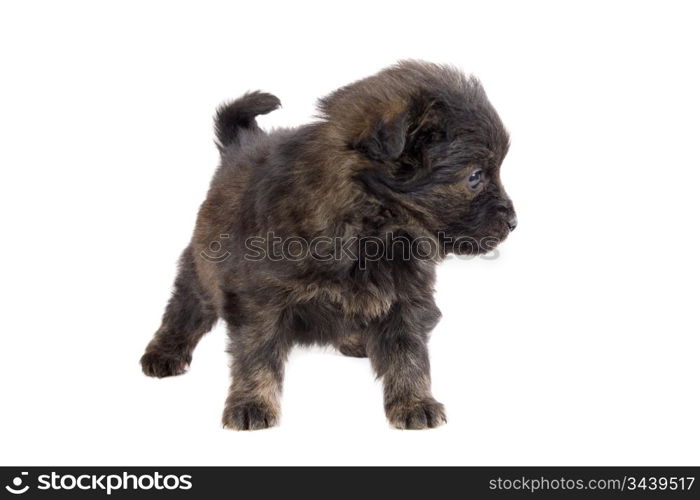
461 159
439 157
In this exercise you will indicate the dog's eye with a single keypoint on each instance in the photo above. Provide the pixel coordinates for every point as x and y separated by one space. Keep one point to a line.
475 178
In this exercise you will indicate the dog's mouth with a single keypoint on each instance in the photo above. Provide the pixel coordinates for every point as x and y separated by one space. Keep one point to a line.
480 242
502 230
489 243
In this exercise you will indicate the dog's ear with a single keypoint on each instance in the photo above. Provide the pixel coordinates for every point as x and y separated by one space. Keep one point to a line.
385 138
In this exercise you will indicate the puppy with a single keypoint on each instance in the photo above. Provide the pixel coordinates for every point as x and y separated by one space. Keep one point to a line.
329 234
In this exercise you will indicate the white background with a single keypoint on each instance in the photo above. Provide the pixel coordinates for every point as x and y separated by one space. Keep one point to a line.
578 345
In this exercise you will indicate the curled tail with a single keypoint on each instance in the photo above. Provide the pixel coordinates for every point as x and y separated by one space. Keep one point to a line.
240 114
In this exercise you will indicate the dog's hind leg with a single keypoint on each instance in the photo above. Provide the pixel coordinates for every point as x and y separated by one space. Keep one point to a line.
188 316
259 350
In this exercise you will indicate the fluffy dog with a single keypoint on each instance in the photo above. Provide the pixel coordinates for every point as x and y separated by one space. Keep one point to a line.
407 159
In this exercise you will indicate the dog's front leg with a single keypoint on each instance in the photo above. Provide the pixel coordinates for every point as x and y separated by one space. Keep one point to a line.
398 350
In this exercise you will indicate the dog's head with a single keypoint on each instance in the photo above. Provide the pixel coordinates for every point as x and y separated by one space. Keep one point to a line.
432 146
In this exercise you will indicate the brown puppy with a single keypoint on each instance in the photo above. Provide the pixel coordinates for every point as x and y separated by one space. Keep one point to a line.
329 233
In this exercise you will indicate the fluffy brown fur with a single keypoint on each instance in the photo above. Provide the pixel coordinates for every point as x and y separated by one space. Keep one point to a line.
410 156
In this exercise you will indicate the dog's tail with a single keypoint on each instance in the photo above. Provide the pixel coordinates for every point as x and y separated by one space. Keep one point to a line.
240 114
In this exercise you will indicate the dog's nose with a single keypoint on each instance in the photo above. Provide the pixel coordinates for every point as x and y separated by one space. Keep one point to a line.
513 222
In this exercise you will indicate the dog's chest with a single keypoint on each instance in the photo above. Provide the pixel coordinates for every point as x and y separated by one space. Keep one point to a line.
369 293
350 301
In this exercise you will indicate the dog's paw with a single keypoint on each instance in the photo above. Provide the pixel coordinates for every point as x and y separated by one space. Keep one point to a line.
250 416
423 414
353 350
353 345
157 364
